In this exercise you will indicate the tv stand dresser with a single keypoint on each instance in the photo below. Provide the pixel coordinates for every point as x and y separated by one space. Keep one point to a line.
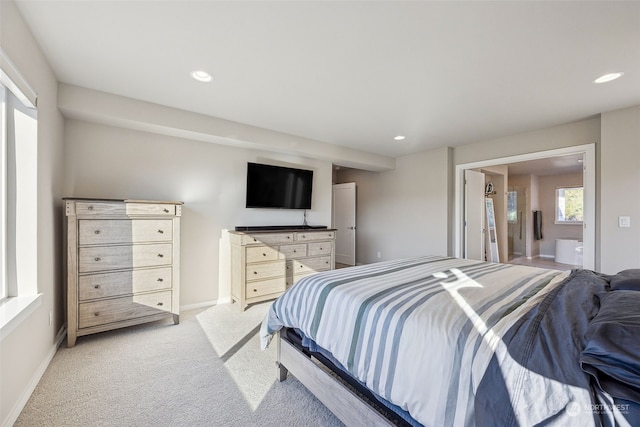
266 261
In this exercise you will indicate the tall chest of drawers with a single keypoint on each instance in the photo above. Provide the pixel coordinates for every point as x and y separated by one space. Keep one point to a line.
123 263
265 263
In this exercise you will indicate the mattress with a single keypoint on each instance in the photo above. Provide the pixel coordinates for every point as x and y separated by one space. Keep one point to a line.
457 342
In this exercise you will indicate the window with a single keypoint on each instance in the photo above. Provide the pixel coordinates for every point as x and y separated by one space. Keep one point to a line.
4 292
18 198
569 205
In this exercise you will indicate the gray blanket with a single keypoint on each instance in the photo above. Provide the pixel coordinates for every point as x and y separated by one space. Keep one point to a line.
547 343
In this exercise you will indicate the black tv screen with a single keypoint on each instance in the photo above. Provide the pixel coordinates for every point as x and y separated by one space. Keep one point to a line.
278 187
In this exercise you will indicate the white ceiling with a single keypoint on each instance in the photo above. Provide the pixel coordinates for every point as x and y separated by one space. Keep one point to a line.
354 73
560 165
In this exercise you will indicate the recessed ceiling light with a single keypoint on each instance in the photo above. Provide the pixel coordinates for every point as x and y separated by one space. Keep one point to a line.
201 76
398 138
608 77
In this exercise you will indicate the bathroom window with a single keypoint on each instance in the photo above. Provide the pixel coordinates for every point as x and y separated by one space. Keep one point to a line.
569 205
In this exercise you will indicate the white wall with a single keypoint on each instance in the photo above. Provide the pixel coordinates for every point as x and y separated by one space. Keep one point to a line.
27 350
620 190
403 212
111 162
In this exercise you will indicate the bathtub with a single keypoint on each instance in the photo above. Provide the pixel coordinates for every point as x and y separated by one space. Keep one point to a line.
569 251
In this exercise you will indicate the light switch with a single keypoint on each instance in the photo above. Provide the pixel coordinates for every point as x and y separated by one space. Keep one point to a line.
624 221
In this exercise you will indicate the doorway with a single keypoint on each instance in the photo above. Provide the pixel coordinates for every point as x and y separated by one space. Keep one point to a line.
343 219
587 152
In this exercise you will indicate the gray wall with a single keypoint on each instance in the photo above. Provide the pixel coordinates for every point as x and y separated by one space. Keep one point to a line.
27 350
387 206
110 162
620 189
403 212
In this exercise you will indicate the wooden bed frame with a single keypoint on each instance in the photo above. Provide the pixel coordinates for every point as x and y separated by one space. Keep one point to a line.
345 404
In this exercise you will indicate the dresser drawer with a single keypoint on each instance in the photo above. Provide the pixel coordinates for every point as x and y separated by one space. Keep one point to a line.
117 309
261 253
320 248
150 209
293 251
104 285
266 238
266 287
310 265
102 258
96 231
316 235
265 270
100 208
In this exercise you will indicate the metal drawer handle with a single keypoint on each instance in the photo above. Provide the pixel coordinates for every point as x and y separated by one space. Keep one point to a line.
160 279
160 304
97 232
97 313
166 210
264 254
97 258
161 231
96 287
255 272
160 256
90 208
255 290
288 237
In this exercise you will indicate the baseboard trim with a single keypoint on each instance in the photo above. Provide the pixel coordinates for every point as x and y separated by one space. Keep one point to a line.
203 304
24 398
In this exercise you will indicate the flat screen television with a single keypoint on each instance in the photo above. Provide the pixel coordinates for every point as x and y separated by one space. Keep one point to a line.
278 187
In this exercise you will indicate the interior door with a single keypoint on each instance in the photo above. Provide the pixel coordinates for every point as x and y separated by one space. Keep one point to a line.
344 221
474 214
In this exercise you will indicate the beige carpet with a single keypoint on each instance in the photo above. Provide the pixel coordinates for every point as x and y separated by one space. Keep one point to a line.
206 371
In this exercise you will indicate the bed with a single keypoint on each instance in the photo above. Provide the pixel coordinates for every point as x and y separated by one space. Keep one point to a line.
439 341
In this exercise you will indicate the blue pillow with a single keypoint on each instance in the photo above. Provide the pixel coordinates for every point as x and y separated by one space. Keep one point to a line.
612 353
626 280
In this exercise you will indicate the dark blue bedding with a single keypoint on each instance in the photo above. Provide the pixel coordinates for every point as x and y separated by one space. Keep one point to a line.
549 341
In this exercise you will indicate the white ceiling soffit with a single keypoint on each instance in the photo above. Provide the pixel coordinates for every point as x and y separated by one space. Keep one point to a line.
354 74
560 165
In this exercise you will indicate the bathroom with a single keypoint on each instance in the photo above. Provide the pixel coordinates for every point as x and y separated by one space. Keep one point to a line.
545 212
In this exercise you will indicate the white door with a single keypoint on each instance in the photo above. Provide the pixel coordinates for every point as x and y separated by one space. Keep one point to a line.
344 221
474 214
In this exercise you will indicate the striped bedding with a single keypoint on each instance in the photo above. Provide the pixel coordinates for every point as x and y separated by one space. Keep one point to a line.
421 332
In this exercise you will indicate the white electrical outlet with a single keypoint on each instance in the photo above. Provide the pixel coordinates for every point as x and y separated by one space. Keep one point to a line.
624 221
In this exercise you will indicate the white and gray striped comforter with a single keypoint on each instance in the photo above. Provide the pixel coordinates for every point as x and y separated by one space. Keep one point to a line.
418 332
